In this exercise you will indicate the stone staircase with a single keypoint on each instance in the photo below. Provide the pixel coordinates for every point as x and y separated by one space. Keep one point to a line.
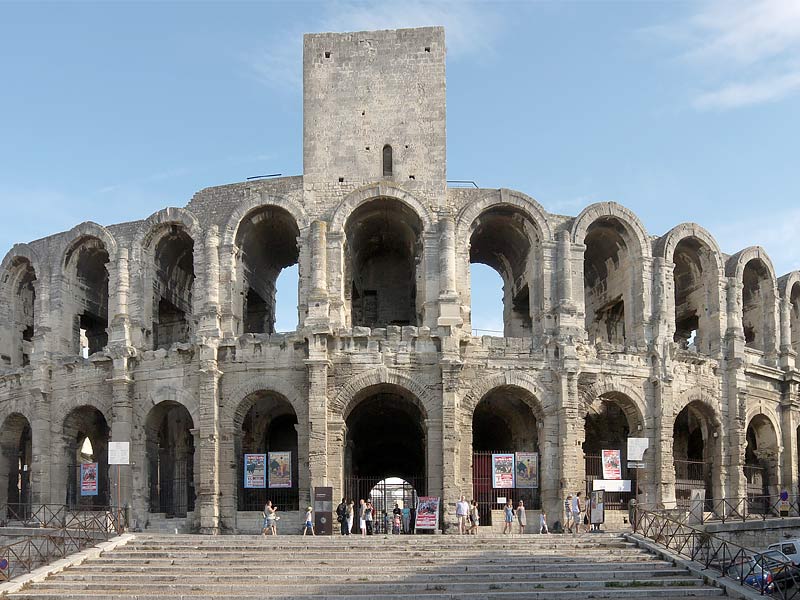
370 568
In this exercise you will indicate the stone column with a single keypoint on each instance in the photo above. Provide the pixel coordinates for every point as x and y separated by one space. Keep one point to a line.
317 365
788 357
663 322
121 431
41 479
662 454
572 463
318 304
453 482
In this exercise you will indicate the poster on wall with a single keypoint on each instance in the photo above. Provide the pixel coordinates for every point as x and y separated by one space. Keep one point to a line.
612 464
427 512
503 471
280 469
255 470
527 469
89 479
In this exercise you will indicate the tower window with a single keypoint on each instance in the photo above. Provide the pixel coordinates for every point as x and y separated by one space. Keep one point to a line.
387 161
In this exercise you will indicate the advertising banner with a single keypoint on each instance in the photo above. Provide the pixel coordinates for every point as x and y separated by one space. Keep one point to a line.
527 469
280 469
612 464
255 470
503 470
427 512
89 479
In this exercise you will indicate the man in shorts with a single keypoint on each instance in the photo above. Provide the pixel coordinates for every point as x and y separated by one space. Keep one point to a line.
576 512
462 512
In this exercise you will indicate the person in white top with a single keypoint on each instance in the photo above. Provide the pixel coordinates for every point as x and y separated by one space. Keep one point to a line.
576 511
462 511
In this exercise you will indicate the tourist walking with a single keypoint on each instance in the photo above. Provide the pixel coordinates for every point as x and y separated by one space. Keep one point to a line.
412 525
368 510
349 516
568 513
462 511
309 524
521 519
341 516
508 517
270 519
474 517
362 516
577 506
543 523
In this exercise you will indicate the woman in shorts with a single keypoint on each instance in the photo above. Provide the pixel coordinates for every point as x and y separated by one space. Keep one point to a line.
309 524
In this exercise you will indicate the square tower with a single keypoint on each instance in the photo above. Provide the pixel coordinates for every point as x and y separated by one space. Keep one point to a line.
374 110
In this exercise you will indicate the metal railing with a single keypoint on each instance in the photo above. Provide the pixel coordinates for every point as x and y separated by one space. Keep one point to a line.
769 577
748 508
64 531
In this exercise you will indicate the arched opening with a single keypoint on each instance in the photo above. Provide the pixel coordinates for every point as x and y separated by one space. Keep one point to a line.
758 306
609 421
505 422
19 284
794 316
85 304
693 452
694 275
761 464
15 468
267 240
387 495
170 459
172 287
86 435
385 437
388 168
382 253
266 424
486 300
608 273
506 240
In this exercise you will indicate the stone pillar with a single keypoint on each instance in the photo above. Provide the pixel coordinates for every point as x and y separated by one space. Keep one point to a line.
662 454
434 466
663 322
121 431
318 304
41 479
317 365
452 483
788 356
572 463
119 284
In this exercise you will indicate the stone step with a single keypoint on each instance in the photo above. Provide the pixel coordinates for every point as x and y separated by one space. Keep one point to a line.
617 593
364 587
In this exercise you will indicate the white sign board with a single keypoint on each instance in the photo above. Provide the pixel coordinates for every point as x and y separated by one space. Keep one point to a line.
612 485
636 448
119 453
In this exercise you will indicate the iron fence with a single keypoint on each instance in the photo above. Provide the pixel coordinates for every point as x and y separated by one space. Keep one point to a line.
612 500
65 531
384 492
770 576
486 495
691 475
747 508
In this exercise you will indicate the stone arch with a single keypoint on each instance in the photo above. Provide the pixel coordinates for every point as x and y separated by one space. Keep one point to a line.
21 302
178 396
789 290
16 454
259 383
374 191
348 395
148 231
503 197
696 447
666 244
87 229
514 379
101 402
259 201
630 399
754 272
711 409
762 458
82 422
625 216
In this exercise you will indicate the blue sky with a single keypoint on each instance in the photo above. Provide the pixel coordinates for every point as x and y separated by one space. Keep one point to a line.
681 111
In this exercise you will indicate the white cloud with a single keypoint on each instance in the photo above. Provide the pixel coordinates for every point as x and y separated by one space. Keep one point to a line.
470 29
775 232
747 52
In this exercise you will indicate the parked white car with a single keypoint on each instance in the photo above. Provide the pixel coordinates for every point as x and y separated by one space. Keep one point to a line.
790 548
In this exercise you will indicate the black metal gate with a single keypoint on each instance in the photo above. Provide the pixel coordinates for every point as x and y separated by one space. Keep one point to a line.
19 493
486 495
76 500
758 500
172 486
383 492
692 475
611 500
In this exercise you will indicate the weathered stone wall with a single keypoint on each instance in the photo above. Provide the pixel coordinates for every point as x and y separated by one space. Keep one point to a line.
561 357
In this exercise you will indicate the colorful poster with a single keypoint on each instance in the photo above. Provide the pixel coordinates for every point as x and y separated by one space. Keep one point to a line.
427 513
89 479
612 464
255 470
280 469
527 468
503 470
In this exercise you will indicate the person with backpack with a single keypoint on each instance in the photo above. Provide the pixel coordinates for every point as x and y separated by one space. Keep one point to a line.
341 516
